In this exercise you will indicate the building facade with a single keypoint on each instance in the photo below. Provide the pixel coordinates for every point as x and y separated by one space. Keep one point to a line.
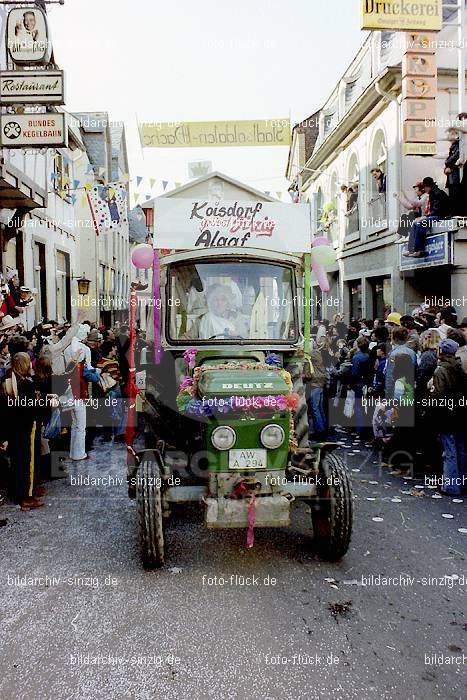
359 130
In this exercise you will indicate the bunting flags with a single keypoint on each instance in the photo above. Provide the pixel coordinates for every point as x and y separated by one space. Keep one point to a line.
139 180
164 184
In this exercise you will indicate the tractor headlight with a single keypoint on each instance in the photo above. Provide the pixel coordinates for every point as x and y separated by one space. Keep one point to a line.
223 437
272 436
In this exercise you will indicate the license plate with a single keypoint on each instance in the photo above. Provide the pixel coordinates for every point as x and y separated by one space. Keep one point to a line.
247 459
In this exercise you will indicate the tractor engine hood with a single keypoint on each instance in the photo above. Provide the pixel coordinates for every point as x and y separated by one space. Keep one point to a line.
242 382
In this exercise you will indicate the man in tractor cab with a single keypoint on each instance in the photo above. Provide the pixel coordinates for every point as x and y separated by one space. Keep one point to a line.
223 319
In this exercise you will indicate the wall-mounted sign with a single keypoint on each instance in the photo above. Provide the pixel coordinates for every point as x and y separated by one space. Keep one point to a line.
402 15
32 87
438 251
27 36
260 132
33 130
197 224
419 89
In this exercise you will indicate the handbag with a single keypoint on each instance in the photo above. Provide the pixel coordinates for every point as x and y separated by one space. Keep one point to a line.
67 400
349 405
107 382
90 374
53 428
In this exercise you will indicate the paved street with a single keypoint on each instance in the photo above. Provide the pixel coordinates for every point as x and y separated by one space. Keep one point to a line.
101 627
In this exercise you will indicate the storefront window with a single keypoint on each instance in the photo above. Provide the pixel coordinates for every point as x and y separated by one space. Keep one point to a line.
382 296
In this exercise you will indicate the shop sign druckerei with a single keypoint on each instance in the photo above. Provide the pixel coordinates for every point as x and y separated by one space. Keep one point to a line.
402 15
197 224
29 130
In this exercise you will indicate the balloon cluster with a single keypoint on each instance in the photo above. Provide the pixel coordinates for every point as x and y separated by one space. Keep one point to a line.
322 253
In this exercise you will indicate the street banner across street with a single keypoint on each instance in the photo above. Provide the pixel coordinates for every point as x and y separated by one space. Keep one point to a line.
402 15
33 130
191 224
259 132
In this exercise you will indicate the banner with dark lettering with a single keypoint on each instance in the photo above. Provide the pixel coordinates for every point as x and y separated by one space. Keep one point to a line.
195 224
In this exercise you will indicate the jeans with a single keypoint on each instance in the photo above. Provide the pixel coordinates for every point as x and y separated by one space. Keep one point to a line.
78 430
418 232
454 463
316 404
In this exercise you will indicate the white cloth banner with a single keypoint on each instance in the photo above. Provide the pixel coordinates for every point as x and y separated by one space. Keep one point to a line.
182 224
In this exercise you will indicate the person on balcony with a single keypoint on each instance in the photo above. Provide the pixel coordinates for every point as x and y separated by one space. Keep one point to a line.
438 208
453 172
416 206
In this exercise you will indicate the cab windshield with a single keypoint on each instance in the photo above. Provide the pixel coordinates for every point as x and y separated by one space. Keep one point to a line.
231 300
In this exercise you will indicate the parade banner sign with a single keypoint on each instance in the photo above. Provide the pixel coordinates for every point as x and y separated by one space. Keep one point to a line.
27 36
32 87
108 206
402 15
195 224
33 130
438 251
260 132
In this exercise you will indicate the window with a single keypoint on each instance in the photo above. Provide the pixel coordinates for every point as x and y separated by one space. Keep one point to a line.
381 288
149 214
352 212
351 90
319 208
221 301
62 176
377 203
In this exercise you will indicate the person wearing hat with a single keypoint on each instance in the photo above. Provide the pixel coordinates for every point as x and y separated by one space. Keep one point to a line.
7 323
417 207
439 208
449 383
18 410
393 319
453 173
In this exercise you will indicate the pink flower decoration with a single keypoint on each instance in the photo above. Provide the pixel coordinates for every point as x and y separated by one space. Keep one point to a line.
190 357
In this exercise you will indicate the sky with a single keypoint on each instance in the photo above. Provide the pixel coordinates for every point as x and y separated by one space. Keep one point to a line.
207 60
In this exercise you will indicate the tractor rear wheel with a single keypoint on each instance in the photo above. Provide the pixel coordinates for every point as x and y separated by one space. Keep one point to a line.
331 512
149 506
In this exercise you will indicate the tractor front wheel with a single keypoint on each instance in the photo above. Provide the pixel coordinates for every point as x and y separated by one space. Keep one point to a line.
149 506
331 512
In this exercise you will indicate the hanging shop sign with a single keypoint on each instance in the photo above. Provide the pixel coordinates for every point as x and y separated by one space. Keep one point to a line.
197 224
32 87
419 90
33 130
27 36
260 132
402 15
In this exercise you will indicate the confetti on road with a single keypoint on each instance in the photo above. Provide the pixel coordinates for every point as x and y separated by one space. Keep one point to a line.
370 498
374 483
436 495
462 530
457 500
378 520
355 470
447 515
396 500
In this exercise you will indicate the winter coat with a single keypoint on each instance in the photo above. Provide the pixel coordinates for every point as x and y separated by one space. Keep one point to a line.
449 383
389 383
439 203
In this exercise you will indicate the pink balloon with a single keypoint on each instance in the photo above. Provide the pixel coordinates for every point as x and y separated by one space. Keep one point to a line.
321 276
320 240
142 256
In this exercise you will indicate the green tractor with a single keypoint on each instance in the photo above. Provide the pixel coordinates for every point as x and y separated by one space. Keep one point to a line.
225 409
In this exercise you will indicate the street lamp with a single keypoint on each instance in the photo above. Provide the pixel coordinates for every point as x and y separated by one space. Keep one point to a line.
83 285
